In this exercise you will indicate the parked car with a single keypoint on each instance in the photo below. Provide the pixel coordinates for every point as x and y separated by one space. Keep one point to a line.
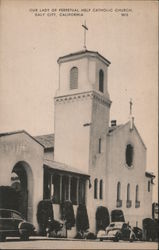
117 231
12 224
138 233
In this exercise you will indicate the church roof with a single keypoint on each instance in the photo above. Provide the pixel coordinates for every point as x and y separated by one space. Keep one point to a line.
63 167
83 53
113 129
19 132
46 140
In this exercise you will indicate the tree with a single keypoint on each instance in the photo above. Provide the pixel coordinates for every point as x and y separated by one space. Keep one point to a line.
44 214
102 218
67 214
82 221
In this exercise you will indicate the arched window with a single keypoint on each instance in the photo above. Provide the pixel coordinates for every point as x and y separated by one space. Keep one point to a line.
128 192
101 80
129 155
101 189
118 191
74 78
95 188
137 193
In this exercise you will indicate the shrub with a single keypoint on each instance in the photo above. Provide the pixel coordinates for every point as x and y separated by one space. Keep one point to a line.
150 228
44 214
102 218
79 236
9 198
82 221
55 226
67 214
117 215
91 236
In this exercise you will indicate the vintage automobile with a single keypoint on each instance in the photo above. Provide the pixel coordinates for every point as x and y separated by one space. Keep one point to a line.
12 224
117 231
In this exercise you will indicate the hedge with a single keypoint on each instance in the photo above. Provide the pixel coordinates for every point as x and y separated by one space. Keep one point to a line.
102 218
82 221
67 214
44 213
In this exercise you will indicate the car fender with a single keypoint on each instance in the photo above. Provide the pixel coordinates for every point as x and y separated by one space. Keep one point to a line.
25 227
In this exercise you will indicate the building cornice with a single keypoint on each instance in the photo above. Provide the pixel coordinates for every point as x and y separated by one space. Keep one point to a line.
80 96
81 54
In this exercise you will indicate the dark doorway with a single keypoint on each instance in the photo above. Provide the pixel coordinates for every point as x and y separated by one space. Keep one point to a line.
20 183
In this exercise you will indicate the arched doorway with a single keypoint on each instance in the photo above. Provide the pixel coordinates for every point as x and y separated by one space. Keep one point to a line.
22 181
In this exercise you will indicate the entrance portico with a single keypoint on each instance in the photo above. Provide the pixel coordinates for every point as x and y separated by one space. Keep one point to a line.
22 154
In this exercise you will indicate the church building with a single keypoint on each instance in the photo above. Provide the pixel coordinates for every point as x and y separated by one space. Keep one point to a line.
87 160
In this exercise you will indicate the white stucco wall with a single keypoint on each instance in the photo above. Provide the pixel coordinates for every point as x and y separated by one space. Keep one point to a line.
88 75
20 147
76 107
49 155
117 171
75 144
71 137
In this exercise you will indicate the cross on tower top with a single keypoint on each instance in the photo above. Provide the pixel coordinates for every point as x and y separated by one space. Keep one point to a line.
131 104
85 29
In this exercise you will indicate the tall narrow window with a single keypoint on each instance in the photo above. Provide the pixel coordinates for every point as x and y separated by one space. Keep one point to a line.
101 189
74 78
95 188
137 202
118 201
137 193
128 202
129 155
149 184
99 145
118 191
101 81
128 192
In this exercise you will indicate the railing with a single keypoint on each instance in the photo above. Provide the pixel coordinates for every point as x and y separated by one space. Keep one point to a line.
119 203
128 204
137 204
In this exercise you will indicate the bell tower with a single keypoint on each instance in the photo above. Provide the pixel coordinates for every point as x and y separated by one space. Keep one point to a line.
82 107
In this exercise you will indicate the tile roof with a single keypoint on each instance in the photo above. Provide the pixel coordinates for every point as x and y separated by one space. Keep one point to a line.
84 52
63 167
46 140
19 132
113 128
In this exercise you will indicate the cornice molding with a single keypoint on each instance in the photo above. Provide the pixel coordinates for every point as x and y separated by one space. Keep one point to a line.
81 97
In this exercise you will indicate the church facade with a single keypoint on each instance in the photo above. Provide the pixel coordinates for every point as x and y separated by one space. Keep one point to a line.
85 160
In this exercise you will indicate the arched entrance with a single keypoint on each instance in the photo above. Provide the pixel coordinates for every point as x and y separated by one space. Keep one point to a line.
22 181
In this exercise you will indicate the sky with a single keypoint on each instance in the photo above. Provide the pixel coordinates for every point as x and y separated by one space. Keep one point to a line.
34 34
